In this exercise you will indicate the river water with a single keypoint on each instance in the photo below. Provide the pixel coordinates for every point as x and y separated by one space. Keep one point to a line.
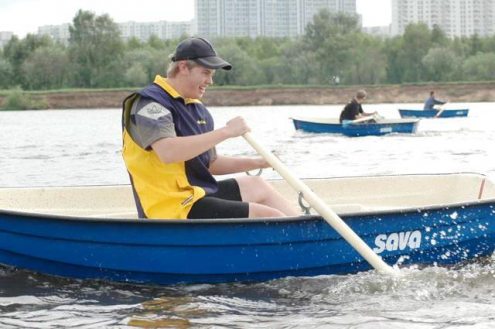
82 147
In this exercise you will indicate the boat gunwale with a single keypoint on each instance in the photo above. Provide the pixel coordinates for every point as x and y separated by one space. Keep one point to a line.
302 218
431 114
217 221
321 120
446 110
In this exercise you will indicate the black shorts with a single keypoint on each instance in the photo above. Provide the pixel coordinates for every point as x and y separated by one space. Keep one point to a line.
225 203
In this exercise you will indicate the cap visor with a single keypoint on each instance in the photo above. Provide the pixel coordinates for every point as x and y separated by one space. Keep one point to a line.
213 62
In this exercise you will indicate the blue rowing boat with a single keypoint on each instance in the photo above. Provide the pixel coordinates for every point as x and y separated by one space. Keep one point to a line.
356 128
93 232
405 113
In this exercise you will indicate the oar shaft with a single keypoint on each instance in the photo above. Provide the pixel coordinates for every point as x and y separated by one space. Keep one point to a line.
367 118
439 113
442 108
325 211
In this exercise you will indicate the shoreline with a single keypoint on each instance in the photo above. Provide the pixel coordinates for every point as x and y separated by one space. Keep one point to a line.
332 95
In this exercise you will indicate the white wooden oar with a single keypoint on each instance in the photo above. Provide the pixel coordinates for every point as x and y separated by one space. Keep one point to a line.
442 108
366 118
328 214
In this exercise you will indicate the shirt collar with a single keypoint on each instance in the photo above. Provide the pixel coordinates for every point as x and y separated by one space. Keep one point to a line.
162 82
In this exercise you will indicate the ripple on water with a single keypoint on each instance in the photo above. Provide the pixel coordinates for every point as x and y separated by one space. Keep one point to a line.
433 297
423 298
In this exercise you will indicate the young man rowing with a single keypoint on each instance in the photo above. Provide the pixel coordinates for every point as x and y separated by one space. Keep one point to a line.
169 148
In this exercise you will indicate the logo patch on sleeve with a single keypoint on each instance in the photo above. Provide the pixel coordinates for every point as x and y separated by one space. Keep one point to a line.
153 111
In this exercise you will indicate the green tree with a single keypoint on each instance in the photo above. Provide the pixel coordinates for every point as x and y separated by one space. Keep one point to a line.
155 42
6 74
460 46
480 67
438 37
268 68
152 61
261 48
95 46
369 64
298 65
47 68
158 62
330 38
17 51
17 100
441 64
475 44
395 59
417 42
133 43
244 69
136 75
489 44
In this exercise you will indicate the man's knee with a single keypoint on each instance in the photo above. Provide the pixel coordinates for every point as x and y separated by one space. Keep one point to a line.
261 184
261 211
254 188
252 181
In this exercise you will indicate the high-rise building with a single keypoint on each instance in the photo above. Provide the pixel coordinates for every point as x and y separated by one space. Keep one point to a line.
378 31
59 33
5 37
128 30
162 29
456 18
253 18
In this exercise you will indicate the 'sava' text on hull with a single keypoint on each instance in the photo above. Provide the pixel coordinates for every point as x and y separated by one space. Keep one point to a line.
397 241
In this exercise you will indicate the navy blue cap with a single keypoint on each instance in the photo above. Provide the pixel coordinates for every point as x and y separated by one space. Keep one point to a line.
201 51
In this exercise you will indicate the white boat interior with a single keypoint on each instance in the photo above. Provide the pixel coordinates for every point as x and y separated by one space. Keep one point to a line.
335 121
343 195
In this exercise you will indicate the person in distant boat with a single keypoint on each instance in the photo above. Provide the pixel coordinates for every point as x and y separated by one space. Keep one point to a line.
431 102
169 150
353 110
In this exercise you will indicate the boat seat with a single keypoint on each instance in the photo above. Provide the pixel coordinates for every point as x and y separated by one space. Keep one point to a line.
348 208
124 215
357 208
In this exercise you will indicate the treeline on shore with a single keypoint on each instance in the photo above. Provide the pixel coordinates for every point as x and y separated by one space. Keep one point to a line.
333 50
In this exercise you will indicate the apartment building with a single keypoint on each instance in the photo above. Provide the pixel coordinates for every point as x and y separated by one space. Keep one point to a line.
378 31
162 29
457 18
128 30
5 37
253 18
59 33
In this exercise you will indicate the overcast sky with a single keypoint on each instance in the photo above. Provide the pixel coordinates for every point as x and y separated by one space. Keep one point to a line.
25 16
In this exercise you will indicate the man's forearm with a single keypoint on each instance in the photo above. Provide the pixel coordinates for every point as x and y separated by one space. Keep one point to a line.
226 165
178 149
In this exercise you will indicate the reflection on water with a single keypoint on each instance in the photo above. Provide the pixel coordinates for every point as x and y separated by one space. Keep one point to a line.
167 312
424 298
83 148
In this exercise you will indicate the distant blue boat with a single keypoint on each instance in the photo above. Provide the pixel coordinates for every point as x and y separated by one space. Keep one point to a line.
93 232
356 128
404 113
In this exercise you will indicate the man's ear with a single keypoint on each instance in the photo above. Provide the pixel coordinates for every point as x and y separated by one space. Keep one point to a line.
183 68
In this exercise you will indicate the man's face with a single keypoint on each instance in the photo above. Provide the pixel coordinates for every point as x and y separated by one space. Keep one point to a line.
197 80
